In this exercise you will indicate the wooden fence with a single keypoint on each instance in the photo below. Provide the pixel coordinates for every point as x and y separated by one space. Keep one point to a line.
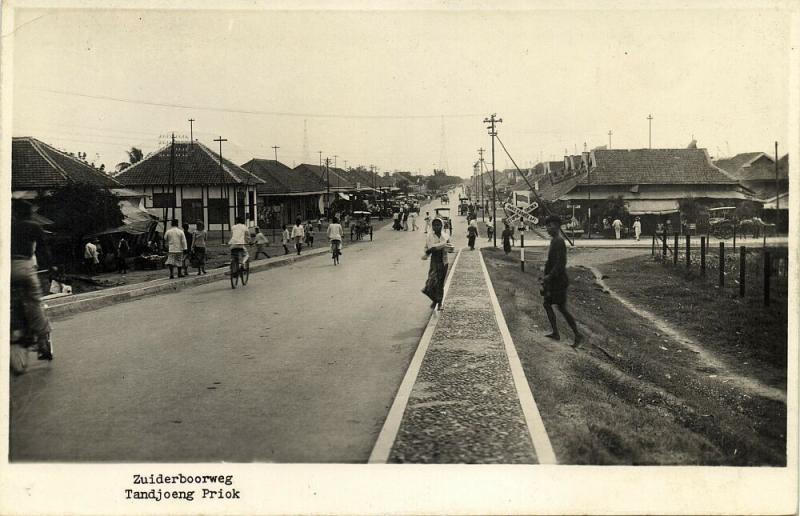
757 267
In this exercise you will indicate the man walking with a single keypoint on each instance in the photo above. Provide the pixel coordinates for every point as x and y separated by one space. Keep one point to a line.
261 242
298 234
555 281
427 221
617 224
175 240
637 228
413 217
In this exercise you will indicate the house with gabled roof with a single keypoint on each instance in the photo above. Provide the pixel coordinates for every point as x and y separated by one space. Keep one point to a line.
38 168
756 171
286 193
188 182
650 181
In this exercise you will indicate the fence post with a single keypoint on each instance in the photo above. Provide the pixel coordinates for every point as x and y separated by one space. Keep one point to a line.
522 251
721 264
702 255
742 266
675 256
734 237
653 250
664 247
767 270
688 247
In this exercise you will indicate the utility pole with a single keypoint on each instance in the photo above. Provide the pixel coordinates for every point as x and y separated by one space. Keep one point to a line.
492 120
275 148
610 132
172 175
191 130
334 170
320 158
223 188
328 197
483 205
589 195
650 131
777 194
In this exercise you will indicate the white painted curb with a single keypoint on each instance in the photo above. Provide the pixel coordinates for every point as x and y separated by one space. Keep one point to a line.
538 433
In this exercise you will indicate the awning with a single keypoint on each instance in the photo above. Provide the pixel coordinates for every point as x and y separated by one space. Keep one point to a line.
771 204
344 196
652 206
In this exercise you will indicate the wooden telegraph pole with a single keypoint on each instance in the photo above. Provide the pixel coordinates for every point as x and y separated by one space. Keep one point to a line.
223 188
492 121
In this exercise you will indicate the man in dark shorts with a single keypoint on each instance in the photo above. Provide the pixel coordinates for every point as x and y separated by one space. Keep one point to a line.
555 281
27 239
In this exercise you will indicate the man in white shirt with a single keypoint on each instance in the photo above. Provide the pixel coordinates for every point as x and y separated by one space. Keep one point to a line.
298 234
240 239
637 228
90 256
175 240
335 235
617 225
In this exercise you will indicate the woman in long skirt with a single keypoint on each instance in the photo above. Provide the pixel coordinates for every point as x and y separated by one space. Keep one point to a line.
437 245
508 234
472 234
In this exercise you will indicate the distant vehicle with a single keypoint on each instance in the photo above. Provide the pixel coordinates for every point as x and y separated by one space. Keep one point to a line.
444 214
361 225
721 222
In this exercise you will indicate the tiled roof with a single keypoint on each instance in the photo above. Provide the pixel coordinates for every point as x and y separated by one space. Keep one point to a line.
195 164
655 166
551 191
280 179
750 167
337 176
36 165
733 165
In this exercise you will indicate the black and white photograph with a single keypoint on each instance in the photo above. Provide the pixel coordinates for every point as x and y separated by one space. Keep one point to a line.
406 258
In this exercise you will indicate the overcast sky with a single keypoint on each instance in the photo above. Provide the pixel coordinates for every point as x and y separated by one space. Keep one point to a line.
401 90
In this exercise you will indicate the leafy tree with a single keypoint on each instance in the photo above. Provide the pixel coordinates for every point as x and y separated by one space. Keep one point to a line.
692 210
135 155
614 207
80 209
402 184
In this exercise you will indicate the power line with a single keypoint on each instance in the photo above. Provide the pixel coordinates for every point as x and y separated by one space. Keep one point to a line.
249 111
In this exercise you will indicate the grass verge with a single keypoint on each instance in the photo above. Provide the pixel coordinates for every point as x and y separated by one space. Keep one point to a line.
630 395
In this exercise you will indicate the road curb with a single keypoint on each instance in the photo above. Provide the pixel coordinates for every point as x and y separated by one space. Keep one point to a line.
126 292
382 448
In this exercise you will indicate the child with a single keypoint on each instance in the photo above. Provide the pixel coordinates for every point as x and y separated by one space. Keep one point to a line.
285 238
310 234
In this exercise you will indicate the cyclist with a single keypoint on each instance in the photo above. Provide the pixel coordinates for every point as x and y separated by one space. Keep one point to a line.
240 239
335 236
26 238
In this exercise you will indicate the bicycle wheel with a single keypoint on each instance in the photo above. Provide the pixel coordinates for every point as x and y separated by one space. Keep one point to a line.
234 272
244 271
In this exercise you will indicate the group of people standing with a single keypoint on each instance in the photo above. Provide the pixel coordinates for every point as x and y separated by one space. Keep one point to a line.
402 217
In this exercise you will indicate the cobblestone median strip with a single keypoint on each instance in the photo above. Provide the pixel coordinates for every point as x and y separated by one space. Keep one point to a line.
464 406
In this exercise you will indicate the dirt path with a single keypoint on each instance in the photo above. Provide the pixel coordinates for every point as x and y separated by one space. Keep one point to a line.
713 363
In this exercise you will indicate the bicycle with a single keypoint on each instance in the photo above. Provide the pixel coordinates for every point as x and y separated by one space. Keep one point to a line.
335 251
239 271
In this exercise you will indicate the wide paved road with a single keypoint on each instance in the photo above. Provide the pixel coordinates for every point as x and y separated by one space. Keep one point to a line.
301 365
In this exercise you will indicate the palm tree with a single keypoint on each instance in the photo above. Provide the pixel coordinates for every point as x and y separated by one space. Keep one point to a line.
135 155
